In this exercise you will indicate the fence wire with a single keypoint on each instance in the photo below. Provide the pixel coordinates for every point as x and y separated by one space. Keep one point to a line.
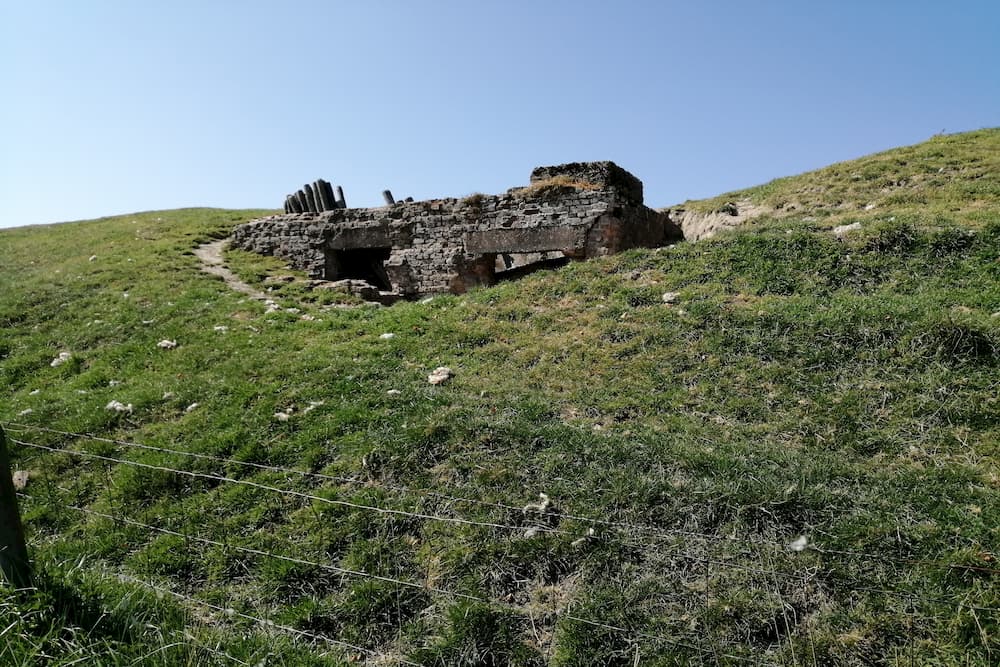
375 577
628 533
630 527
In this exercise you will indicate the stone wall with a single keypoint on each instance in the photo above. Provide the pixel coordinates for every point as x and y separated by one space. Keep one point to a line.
451 245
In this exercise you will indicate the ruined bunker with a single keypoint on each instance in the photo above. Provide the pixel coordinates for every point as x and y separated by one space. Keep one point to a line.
406 249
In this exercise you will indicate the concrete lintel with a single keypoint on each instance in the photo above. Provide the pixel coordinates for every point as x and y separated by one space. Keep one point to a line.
360 237
532 239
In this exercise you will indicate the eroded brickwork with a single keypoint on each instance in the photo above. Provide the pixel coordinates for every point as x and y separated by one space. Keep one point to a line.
578 210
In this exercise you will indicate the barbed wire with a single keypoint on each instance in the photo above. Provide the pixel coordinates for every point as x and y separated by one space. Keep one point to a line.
635 527
457 595
365 507
289 492
197 455
374 508
352 480
554 513
258 552
400 582
906 595
345 572
692 557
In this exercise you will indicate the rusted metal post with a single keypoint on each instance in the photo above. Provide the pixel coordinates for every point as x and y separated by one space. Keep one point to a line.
300 197
14 566
330 195
310 198
325 201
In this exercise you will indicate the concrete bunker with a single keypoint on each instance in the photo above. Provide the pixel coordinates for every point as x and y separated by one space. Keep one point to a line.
411 248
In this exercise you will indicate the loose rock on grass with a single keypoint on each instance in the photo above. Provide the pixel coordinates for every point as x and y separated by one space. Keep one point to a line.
440 375
846 229
61 359
20 479
799 543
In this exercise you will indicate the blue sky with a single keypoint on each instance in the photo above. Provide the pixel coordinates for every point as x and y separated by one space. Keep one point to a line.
115 107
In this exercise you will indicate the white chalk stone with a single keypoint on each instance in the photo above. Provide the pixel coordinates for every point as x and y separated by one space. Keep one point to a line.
846 229
440 375
61 359
799 543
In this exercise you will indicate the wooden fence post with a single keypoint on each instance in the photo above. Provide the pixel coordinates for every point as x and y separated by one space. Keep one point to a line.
14 566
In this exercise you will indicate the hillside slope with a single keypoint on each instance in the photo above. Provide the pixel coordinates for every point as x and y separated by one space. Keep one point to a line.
952 176
777 446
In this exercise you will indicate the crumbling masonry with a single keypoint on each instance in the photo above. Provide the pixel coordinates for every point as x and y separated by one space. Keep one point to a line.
571 211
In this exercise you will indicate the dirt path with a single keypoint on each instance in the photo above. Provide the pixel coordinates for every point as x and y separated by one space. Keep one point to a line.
210 255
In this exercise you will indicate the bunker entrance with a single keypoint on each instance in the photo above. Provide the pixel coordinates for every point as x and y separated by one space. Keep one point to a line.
366 264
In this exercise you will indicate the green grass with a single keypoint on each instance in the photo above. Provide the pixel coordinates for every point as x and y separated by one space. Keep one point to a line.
948 178
78 617
845 390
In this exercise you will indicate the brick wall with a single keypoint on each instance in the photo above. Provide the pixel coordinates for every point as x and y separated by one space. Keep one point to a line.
450 245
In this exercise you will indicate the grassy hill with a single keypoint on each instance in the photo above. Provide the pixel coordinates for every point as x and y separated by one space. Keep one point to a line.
949 177
791 458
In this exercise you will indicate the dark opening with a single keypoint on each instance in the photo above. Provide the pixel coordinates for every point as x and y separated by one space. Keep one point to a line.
514 265
366 264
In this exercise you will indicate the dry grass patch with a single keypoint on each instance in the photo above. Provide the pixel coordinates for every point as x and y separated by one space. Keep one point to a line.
555 187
